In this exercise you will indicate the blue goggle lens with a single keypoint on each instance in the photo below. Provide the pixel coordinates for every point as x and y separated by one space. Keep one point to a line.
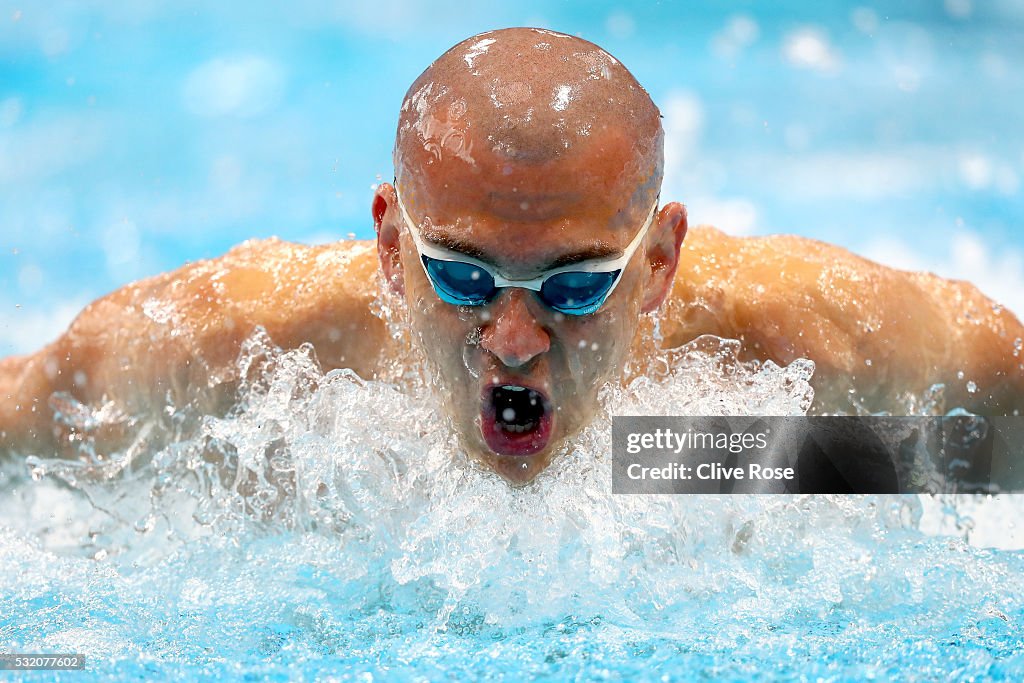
577 293
462 284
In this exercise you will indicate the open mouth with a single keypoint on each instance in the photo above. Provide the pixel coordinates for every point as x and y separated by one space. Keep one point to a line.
515 419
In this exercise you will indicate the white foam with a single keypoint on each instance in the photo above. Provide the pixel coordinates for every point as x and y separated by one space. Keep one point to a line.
361 480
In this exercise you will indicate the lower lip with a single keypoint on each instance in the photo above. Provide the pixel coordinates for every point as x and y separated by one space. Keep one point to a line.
511 443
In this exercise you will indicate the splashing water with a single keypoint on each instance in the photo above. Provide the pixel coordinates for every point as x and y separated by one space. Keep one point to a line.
331 525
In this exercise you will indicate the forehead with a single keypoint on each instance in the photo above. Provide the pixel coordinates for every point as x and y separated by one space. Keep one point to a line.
528 215
530 234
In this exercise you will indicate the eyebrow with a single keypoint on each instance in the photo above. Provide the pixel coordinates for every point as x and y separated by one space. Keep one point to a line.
596 250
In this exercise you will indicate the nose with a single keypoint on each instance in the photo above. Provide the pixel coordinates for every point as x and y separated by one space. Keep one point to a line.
514 335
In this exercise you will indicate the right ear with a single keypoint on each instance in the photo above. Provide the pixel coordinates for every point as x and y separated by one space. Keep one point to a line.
387 223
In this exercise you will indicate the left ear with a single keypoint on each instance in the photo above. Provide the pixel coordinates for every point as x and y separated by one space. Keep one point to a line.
663 254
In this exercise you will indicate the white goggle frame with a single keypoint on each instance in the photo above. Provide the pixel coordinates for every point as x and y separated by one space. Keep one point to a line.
534 284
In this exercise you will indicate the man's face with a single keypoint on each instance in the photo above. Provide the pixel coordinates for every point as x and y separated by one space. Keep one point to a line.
526 150
517 377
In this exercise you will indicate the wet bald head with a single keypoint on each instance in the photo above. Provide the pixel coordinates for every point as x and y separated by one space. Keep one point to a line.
533 112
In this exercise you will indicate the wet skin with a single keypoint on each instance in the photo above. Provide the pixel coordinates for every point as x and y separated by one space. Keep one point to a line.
516 339
524 168
529 150
923 330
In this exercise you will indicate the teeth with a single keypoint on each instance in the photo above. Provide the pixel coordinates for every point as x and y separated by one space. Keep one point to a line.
519 429
511 387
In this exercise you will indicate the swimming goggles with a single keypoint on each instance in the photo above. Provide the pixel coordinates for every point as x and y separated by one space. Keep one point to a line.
576 289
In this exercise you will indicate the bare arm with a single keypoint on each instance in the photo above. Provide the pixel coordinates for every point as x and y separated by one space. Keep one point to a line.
876 330
175 337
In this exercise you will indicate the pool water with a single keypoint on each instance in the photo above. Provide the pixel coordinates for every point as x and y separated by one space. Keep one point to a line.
324 528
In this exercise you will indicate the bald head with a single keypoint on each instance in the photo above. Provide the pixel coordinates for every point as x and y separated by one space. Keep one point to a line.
523 151
504 107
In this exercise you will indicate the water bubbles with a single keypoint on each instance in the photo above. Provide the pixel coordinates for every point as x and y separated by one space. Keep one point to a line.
145 524
327 512
972 388
508 415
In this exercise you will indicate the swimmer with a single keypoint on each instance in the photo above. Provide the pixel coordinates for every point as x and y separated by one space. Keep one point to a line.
526 234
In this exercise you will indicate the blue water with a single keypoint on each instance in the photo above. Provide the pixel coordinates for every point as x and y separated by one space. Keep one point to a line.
137 135
347 536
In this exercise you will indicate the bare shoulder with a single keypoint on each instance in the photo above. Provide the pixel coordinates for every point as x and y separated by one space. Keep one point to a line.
176 336
297 292
864 324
